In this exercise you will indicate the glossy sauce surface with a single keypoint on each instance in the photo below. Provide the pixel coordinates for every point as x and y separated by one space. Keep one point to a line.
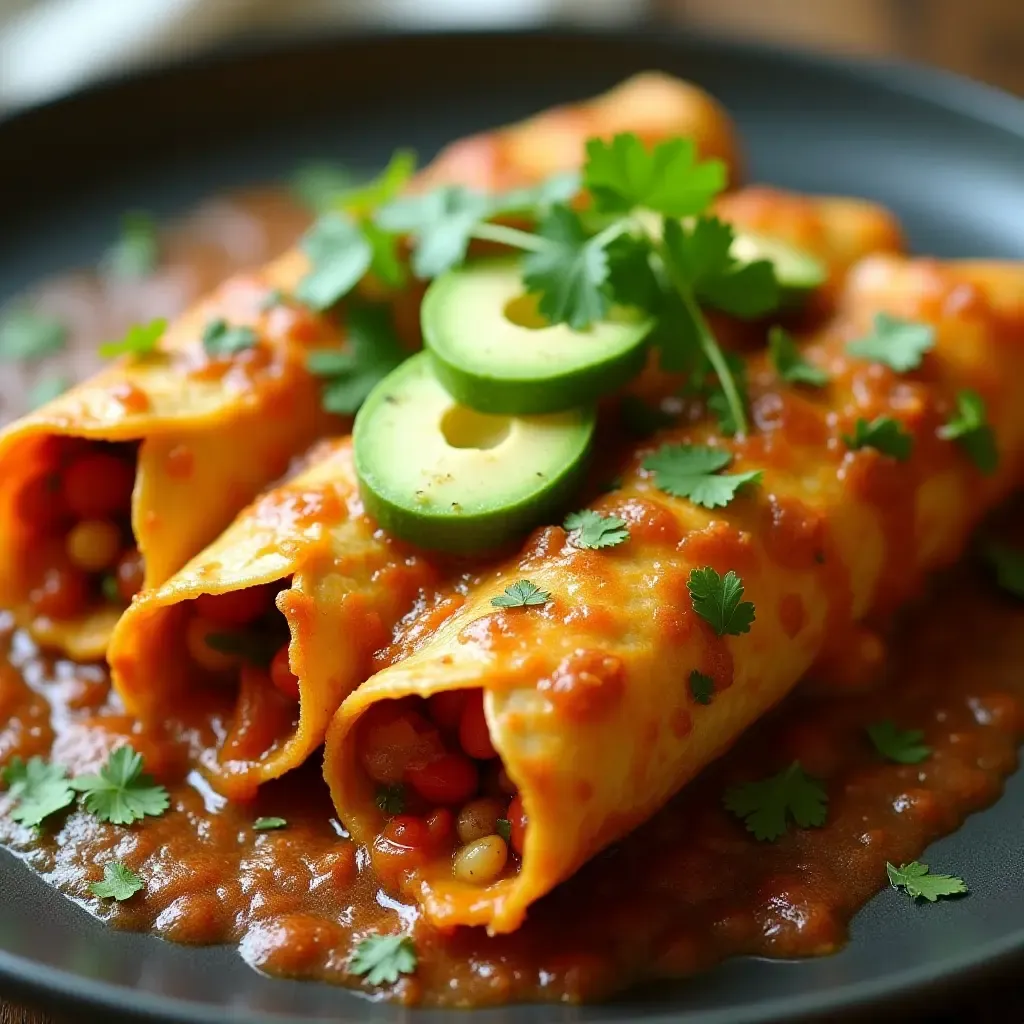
685 890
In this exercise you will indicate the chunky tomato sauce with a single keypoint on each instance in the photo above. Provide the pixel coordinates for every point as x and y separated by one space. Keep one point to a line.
685 890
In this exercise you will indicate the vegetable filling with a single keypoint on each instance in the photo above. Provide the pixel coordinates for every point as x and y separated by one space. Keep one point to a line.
77 510
447 798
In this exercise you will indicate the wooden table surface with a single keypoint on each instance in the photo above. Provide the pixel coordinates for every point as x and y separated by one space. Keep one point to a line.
990 46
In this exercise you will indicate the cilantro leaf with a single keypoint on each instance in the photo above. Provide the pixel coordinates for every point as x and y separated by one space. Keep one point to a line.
268 824
884 434
390 799
970 429
689 471
39 789
27 334
47 388
221 339
590 529
765 806
898 344
139 340
702 687
136 252
522 594
623 175
632 278
902 747
504 829
440 224
121 793
382 958
700 253
570 275
350 374
558 188
255 646
1009 566
274 297
339 253
789 364
319 183
717 600
916 879
363 199
119 883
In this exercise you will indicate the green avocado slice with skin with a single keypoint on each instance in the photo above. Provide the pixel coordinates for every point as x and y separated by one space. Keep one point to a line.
493 351
446 477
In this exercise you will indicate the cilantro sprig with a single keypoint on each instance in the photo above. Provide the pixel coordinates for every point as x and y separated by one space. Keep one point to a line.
121 793
119 883
221 339
766 806
269 824
521 594
350 374
969 428
139 340
390 799
702 687
896 343
918 882
693 472
137 250
39 789
884 434
718 600
380 959
789 364
590 529
903 746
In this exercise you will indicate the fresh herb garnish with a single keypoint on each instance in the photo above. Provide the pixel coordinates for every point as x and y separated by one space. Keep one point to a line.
718 600
391 799
28 334
702 687
522 594
339 253
136 252
119 883
364 198
918 882
765 806
692 471
1009 566
121 793
898 344
140 340
47 388
971 430
318 184
268 824
504 829
884 434
901 746
221 339
350 374
382 958
38 788
789 364
590 529
257 647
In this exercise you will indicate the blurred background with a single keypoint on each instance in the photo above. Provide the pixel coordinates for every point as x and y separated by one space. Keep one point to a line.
50 46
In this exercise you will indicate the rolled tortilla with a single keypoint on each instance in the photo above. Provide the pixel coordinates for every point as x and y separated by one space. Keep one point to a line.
310 589
586 699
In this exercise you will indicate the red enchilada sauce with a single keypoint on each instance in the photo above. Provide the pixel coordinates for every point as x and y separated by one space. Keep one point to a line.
685 890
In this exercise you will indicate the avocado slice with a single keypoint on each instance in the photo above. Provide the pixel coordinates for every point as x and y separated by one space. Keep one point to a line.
797 271
494 352
444 476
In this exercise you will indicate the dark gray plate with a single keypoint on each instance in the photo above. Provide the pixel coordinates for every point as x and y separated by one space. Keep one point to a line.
948 155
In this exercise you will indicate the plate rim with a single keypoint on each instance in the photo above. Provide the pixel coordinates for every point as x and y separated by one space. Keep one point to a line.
49 986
